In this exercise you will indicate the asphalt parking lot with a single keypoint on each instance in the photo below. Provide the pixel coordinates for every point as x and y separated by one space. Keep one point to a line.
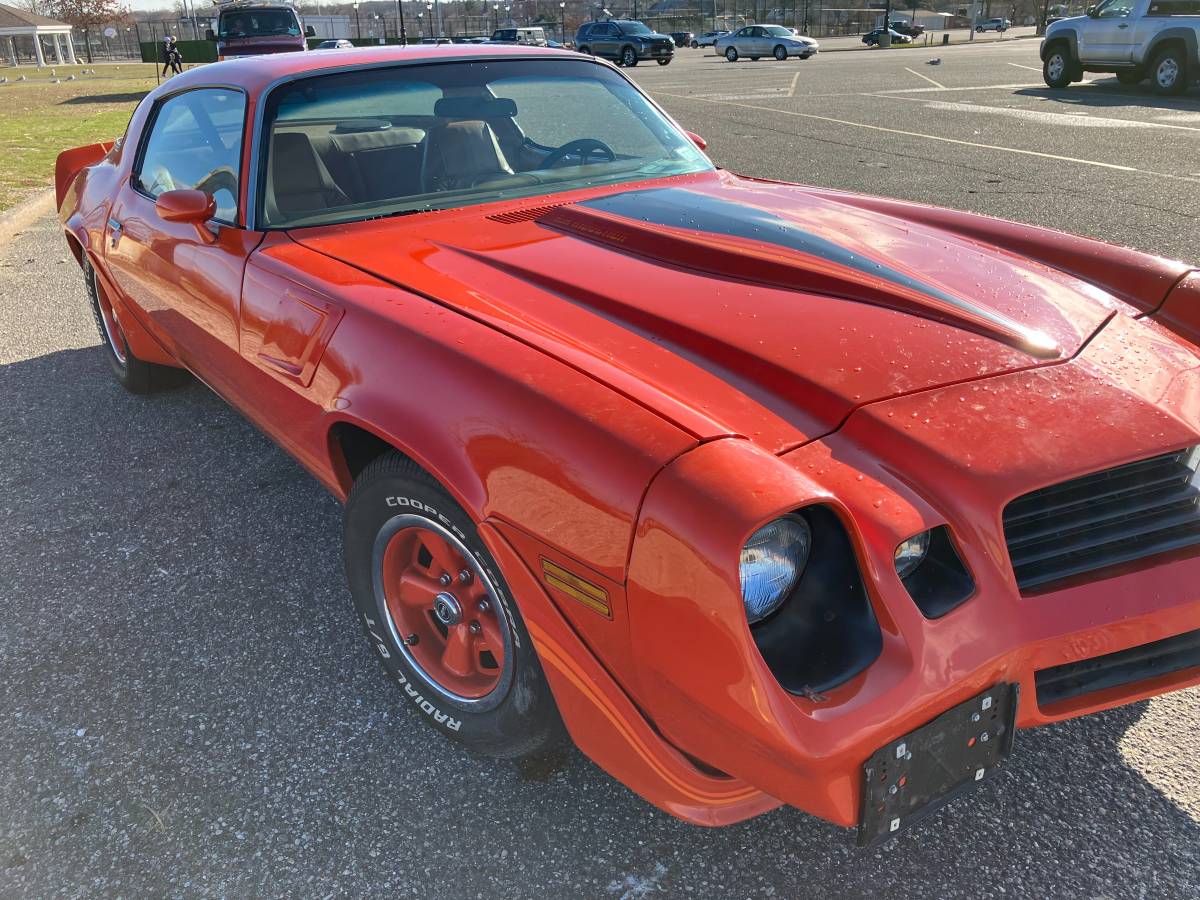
980 131
188 706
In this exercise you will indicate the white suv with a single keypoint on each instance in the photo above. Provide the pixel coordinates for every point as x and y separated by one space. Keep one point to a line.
1134 39
1000 25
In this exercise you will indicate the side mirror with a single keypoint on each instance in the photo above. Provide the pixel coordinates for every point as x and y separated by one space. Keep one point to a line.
210 35
1090 12
309 31
697 140
190 207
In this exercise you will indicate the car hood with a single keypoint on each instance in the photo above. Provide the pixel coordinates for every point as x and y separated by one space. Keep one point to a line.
732 306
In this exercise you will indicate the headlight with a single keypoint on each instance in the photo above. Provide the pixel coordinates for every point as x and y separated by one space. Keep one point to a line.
911 554
771 564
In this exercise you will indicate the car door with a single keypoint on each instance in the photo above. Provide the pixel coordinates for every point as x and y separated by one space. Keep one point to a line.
604 40
185 281
1108 34
750 41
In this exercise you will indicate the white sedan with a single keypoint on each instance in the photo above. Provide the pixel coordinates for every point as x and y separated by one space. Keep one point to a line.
756 41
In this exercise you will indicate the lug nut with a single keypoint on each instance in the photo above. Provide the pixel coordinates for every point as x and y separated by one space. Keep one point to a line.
475 628
985 737
412 640
484 606
445 579
464 576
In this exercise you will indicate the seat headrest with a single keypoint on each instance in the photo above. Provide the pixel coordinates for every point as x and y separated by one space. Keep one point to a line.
467 149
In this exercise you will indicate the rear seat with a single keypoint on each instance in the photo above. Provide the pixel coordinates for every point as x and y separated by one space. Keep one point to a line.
373 165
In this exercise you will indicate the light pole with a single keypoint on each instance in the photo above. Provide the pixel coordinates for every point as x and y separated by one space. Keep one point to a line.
496 14
562 16
433 28
403 30
357 21
421 25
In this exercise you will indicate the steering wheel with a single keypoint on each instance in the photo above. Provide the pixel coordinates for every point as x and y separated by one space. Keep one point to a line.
583 147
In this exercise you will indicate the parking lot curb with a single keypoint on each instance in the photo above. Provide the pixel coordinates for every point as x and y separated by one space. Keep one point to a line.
14 220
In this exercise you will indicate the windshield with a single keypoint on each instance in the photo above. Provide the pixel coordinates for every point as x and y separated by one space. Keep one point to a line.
779 31
258 23
371 143
634 28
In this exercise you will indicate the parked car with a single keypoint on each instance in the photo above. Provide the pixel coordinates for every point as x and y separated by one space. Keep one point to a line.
627 41
338 44
689 510
534 36
683 38
757 41
1133 39
908 28
707 39
999 25
257 27
872 38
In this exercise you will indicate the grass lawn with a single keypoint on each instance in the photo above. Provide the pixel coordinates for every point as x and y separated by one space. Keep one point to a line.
38 119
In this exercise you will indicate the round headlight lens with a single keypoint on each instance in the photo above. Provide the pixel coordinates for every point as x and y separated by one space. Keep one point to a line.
771 564
911 554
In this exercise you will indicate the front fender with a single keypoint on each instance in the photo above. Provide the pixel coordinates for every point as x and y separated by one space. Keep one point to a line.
1061 34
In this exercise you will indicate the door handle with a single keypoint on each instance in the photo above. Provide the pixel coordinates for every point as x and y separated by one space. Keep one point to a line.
1123 25
114 228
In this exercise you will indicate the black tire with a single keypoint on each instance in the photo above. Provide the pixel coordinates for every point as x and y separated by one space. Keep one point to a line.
1169 72
695 46
133 374
665 61
731 54
629 57
1058 66
979 29
780 53
518 716
754 59
1131 76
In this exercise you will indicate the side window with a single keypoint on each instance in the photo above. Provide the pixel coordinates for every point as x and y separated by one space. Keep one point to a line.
196 142
1115 9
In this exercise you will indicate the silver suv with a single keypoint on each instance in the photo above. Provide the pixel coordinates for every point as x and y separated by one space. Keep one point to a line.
1133 39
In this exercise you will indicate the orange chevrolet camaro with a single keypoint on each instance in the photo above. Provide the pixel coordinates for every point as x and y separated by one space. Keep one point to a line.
765 494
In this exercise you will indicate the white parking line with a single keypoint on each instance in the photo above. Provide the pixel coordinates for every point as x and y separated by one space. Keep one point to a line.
1075 119
936 84
931 137
1030 68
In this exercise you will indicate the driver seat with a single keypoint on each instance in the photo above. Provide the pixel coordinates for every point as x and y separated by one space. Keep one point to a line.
461 155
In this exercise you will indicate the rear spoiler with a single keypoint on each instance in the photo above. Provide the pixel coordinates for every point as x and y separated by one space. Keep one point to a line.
71 162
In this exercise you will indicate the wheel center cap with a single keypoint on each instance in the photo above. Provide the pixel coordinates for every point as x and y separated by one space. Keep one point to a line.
447 609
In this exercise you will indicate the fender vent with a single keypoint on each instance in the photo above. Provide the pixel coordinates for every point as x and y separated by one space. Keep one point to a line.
523 215
1104 519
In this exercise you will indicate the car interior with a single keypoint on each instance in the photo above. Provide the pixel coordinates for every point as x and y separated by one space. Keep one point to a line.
340 150
468 144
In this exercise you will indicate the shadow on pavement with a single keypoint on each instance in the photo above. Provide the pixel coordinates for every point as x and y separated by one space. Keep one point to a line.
189 709
87 99
1110 94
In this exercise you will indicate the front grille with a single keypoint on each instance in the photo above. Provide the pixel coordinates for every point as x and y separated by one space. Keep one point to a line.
1104 519
1126 667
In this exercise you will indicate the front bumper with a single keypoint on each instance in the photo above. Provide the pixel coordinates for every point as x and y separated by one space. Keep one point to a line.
974 448
655 52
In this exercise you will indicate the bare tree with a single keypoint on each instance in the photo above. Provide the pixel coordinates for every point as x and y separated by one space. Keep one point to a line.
85 15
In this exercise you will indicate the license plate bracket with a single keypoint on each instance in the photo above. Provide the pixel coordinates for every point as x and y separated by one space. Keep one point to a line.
913 776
